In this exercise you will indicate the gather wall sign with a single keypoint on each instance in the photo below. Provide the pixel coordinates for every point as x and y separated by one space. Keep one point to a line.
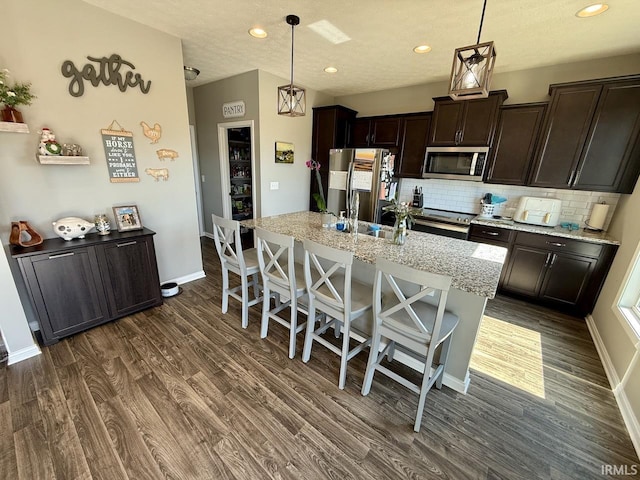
113 70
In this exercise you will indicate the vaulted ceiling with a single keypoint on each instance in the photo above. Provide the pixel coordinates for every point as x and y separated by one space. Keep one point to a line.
383 33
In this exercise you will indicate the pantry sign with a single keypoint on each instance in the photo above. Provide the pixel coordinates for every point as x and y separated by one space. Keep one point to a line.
233 109
121 157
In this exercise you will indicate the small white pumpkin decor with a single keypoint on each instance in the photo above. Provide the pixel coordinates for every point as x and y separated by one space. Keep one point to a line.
72 227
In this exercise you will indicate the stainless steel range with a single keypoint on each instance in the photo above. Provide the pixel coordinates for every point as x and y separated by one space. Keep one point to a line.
444 222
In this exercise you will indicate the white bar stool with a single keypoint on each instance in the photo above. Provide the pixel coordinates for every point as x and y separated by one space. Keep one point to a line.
233 259
332 292
416 325
284 278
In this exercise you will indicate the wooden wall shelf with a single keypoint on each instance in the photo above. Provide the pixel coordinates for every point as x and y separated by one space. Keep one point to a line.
62 160
14 127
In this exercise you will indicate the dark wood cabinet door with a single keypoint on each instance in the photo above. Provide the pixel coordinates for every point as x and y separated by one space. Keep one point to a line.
514 144
564 132
360 134
445 125
479 120
130 275
331 129
611 157
415 134
384 132
567 278
66 290
525 270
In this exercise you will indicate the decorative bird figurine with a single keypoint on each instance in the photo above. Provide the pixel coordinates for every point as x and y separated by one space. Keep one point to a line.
154 133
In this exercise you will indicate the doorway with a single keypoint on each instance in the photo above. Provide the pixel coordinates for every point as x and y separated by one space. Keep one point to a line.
237 171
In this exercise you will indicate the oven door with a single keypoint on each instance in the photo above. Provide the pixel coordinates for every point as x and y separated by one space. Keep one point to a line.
441 228
455 163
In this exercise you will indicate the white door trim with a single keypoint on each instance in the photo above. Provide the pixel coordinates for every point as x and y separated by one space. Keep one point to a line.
196 178
223 153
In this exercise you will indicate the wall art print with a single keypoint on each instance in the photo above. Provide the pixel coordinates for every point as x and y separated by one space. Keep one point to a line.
284 152
120 154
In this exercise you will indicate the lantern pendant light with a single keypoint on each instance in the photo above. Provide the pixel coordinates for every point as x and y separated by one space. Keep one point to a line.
472 68
291 99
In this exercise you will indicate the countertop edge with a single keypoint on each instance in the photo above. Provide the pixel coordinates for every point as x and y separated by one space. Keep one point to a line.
596 237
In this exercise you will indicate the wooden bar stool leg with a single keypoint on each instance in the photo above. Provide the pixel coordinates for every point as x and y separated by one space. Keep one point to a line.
266 304
308 336
245 304
225 289
294 328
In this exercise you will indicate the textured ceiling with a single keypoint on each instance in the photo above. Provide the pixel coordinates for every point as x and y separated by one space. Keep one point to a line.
527 33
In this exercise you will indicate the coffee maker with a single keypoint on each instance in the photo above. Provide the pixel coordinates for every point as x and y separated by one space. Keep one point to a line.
417 197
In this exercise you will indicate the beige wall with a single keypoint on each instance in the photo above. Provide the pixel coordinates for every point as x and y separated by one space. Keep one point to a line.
524 86
258 90
44 35
293 179
208 100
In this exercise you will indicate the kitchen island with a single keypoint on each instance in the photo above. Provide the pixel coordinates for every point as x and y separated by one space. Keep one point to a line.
474 268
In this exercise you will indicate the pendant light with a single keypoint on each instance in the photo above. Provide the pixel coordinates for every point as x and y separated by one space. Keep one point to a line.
472 68
291 99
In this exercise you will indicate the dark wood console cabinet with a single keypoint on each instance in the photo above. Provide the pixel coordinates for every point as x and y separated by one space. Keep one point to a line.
78 284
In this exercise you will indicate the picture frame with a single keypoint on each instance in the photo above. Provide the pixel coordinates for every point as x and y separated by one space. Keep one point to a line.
284 152
127 218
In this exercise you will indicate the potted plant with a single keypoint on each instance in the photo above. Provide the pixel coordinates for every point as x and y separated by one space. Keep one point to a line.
13 95
320 199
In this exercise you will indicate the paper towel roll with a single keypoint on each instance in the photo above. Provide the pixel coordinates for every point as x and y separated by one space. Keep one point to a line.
598 216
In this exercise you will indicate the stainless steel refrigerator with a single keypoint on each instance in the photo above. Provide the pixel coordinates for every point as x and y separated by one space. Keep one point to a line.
367 170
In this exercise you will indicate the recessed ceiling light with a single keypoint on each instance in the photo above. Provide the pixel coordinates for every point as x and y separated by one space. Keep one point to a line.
257 32
592 10
331 69
422 49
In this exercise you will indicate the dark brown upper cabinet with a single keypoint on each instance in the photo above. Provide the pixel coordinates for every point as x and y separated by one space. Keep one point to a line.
591 137
376 132
332 128
415 134
465 122
514 143
564 132
610 161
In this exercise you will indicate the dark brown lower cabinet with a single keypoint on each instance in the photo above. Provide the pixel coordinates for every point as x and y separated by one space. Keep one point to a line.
82 283
563 273
558 272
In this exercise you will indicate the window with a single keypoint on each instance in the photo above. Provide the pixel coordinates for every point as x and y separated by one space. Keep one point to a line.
627 305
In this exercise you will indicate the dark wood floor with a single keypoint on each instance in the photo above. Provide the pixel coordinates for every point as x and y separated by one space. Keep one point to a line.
182 392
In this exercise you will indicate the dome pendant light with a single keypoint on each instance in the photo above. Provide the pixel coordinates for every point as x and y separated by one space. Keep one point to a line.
472 68
291 99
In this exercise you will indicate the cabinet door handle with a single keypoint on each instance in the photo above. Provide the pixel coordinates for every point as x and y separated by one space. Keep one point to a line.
575 180
126 244
553 260
367 139
571 177
373 138
546 260
60 255
493 234
557 244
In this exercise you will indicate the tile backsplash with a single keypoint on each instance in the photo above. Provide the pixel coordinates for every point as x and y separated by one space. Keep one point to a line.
463 196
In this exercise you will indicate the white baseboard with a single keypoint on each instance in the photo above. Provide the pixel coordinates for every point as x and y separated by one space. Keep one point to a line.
23 354
187 278
629 417
208 235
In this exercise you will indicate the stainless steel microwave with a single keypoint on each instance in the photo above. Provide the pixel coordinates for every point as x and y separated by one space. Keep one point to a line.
455 163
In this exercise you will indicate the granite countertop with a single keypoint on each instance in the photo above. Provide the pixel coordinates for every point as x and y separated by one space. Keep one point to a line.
581 234
474 267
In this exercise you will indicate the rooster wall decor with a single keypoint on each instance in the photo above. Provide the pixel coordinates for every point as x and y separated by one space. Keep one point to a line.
154 133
